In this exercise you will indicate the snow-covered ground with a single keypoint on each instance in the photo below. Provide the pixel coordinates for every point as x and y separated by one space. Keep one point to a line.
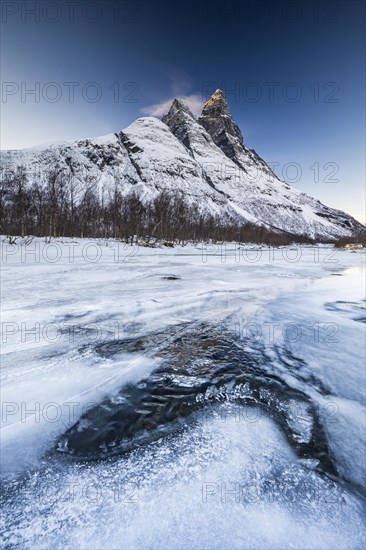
227 477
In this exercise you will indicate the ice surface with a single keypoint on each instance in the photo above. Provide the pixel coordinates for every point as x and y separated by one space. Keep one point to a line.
175 492
225 483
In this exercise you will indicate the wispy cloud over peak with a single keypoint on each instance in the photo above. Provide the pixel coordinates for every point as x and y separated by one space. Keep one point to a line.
194 102
181 86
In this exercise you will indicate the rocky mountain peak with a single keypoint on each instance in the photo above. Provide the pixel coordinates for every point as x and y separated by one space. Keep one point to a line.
218 122
178 119
217 105
216 119
177 107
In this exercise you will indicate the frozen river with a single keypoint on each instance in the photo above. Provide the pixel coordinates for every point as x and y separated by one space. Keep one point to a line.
192 397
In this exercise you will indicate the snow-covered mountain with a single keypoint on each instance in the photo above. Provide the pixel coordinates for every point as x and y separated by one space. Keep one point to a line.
205 159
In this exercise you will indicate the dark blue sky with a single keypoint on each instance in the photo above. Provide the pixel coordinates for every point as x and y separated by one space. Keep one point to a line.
293 72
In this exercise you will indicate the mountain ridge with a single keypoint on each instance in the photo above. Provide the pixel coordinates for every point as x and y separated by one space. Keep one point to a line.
205 159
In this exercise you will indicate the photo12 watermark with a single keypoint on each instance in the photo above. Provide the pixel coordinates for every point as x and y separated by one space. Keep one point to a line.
272 92
70 12
69 92
264 12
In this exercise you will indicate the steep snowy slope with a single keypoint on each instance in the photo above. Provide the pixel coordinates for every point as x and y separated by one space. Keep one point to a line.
205 160
164 163
265 196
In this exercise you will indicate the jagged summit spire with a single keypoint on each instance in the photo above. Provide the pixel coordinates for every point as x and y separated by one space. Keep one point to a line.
178 105
217 102
218 122
216 119
178 119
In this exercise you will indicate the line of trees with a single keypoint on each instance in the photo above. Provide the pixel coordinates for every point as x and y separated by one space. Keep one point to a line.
50 209
357 239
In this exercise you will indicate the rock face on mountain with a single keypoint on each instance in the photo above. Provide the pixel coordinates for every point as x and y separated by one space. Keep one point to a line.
205 159
218 122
